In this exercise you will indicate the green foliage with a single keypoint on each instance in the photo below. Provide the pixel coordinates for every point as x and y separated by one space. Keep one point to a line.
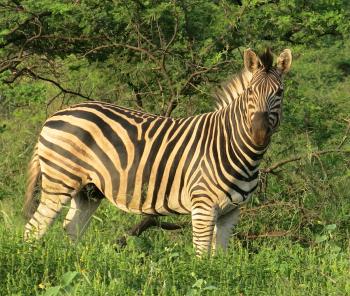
65 286
147 55
162 51
22 95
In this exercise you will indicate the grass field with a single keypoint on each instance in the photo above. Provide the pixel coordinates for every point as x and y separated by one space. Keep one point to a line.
168 57
163 263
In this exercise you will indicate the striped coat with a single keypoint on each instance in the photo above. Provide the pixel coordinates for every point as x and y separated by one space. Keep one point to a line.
204 165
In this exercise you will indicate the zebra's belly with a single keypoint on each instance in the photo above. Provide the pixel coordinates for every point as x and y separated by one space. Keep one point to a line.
162 205
244 194
238 198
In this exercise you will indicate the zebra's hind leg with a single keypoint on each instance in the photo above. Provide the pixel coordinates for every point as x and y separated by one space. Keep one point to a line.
83 206
223 229
49 207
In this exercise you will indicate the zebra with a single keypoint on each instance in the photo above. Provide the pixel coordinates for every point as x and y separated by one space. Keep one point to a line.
204 165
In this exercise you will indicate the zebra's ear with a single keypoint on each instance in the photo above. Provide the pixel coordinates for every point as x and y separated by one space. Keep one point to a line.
284 61
251 60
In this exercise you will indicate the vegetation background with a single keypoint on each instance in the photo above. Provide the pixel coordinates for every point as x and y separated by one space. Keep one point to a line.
166 57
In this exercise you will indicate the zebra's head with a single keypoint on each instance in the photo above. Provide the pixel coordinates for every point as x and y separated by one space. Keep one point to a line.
265 92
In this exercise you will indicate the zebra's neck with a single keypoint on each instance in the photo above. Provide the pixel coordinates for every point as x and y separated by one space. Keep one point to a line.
238 133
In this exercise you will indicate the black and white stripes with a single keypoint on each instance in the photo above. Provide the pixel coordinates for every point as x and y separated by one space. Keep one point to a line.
204 165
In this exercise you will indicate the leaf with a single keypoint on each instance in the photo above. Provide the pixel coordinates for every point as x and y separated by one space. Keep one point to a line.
68 277
4 32
52 291
210 287
174 255
320 238
330 227
199 283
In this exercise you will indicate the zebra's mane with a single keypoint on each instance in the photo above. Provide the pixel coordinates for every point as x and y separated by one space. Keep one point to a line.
232 89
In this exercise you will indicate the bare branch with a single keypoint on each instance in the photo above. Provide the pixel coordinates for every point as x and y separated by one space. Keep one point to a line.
16 75
176 26
143 37
117 45
299 157
72 38
66 91
172 104
199 73
274 204
276 233
160 35
22 25
9 64
51 100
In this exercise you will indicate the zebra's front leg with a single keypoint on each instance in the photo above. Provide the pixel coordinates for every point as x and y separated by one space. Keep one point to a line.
223 229
203 223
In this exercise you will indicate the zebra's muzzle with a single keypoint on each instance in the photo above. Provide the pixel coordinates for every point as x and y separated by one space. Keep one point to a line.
261 131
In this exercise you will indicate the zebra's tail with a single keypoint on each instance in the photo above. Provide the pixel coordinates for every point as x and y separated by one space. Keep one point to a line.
32 180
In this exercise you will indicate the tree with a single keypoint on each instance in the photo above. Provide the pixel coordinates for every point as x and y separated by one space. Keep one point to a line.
157 53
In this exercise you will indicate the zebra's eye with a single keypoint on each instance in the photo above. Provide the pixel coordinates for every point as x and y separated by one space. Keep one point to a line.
249 90
279 92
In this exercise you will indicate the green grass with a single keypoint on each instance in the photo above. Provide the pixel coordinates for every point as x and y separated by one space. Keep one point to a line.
163 263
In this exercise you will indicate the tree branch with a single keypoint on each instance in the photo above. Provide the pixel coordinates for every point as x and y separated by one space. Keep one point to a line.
278 164
51 100
64 90
276 233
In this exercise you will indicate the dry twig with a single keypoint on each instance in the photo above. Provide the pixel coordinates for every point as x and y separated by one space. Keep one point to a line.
283 162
